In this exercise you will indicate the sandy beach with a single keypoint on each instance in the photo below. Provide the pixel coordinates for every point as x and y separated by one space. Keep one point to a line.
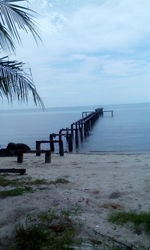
99 184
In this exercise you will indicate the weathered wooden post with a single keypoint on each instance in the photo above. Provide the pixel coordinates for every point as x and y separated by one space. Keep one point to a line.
48 156
81 130
72 129
69 140
70 143
20 157
92 122
89 127
67 135
61 148
38 148
52 148
85 131
76 135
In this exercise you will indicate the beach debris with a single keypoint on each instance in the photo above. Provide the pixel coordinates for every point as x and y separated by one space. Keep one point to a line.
115 195
112 205
87 201
21 171
96 191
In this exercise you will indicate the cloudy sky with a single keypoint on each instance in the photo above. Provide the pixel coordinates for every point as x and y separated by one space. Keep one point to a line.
94 52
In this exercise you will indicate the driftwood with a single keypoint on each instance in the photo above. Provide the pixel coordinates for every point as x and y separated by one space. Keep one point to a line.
21 171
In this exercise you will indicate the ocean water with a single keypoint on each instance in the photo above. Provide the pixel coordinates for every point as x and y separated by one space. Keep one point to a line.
128 130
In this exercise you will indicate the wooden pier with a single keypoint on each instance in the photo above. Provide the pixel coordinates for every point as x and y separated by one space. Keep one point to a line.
73 135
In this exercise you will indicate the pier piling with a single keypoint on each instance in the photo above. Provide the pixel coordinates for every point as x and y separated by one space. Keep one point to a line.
38 148
74 135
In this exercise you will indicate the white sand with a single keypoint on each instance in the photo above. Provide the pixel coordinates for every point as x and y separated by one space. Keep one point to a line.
93 178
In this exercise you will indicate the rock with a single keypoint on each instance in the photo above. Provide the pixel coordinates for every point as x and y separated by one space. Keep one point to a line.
14 148
4 152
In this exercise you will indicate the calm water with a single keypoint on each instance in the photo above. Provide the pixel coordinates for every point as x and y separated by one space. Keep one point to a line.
128 130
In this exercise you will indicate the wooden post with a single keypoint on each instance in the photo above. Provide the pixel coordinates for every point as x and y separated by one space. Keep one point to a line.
52 148
76 136
81 131
48 156
61 148
69 140
67 135
72 129
70 143
88 126
85 129
60 134
20 157
38 148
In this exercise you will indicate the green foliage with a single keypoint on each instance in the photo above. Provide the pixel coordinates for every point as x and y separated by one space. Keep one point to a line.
14 192
39 182
46 230
14 82
28 181
18 182
72 211
6 182
137 219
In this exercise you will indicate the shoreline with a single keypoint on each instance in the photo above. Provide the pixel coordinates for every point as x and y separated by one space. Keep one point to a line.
93 179
112 152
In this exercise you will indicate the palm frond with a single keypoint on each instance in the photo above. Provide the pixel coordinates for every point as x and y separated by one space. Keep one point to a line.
14 17
5 39
15 83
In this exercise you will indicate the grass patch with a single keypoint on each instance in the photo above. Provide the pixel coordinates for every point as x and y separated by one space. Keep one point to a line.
137 219
72 211
61 181
7 182
14 192
28 181
18 182
39 182
49 231
58 231
46 182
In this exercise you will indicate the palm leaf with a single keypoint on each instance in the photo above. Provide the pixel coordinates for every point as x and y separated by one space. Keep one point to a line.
14 17
5 39
14 82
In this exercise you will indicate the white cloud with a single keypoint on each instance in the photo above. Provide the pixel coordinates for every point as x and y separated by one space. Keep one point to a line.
89 43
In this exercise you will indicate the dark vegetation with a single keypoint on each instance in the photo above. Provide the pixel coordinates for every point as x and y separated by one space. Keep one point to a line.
24 185
140 221
15 192
47 230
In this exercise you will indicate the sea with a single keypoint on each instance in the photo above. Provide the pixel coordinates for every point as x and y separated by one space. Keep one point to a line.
127 131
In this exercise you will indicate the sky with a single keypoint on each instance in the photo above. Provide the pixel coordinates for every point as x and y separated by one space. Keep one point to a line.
93 52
